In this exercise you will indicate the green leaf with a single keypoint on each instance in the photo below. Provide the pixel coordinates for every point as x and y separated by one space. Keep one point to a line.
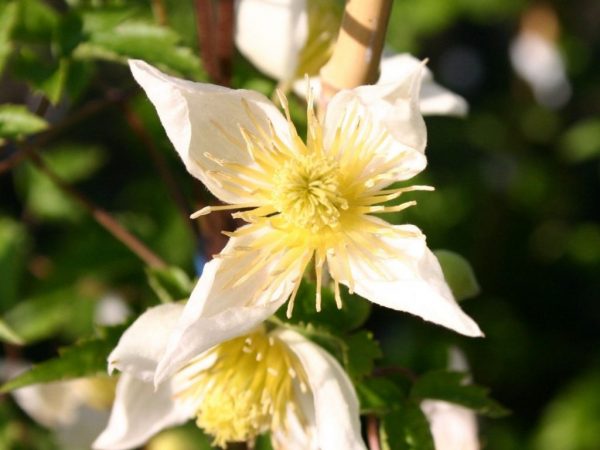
7 334
406 428
355 310
144 40
581 142
185 437
17 121
37 21
80 360
459 274
46 77
8 19
73 163
263 442
13 251
170 284
45 315
379 395
454 387
362 352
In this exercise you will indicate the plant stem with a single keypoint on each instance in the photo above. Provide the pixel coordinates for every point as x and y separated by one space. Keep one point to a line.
204 24
225 41
160 12
373 432
100 215
357 53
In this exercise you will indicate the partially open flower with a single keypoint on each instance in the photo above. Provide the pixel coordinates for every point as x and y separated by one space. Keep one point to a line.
303 202
265 381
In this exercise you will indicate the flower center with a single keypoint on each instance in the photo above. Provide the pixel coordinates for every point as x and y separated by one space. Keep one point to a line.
248 390
307 192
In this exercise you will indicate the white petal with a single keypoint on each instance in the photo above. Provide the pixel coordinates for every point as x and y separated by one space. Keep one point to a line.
301 434
139 412
111 310
434 99
335 402
414 283
50 404
391 108
271 34
144 342
189 113
218 311
82 432
453 427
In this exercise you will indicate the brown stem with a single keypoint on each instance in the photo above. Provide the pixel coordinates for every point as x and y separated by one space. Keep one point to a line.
43 138
101 216
395 370
138 128
225 41
357 53
373 432
204 23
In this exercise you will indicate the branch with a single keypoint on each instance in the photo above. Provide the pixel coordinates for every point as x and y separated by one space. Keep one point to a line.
357 53
204 24
43 138
101 216
225 41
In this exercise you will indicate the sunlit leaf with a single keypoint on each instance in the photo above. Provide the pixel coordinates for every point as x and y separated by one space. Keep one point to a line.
459 274
17 121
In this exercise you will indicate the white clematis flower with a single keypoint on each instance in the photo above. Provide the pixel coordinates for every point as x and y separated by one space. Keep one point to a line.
275 381
304 202
288 39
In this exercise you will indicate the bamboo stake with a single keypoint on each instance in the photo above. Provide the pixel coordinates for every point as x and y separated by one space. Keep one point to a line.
357 54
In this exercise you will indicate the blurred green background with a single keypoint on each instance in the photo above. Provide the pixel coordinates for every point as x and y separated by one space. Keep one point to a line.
517 193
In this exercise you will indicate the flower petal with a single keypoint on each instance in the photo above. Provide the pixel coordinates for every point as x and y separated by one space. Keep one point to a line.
228 300
50 404
335 402
390 109
144 342
434 99
139 412
271 34
452 426
204 119
406 276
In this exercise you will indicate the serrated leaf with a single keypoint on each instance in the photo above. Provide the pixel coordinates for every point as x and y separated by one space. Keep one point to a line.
86 358
7 334
355 310
406 428
144 40
8 20
13 250
454 387
459 274
170 284
363 350
17 121
379 395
